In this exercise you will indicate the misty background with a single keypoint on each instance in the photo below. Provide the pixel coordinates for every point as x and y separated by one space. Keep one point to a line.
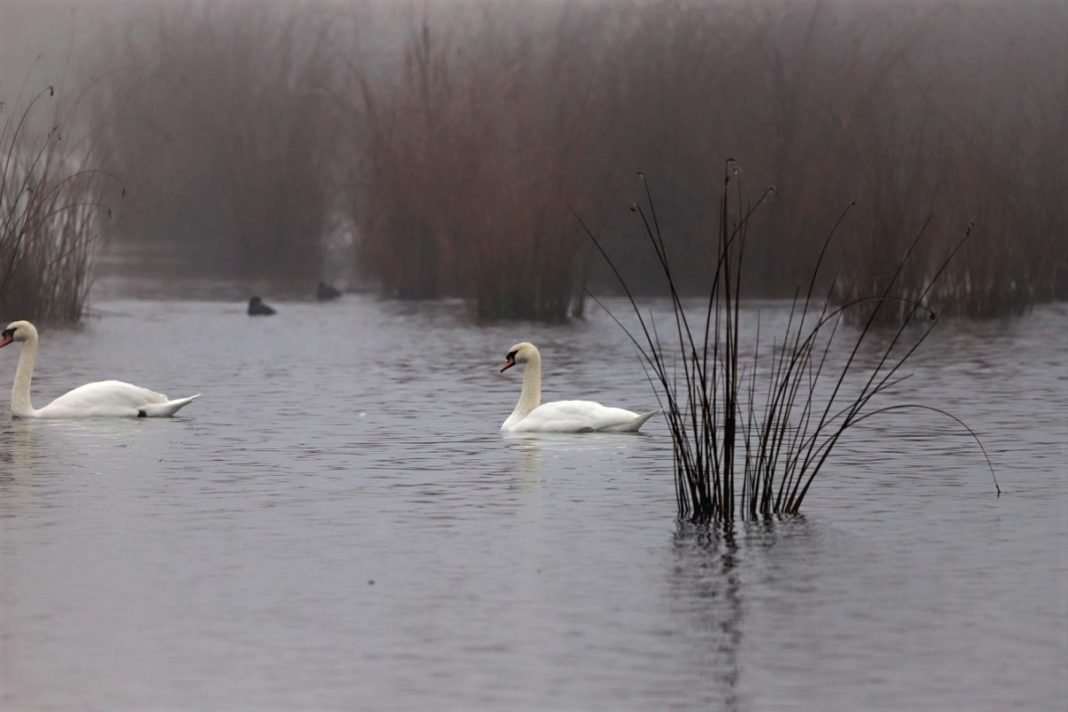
444 149
338 523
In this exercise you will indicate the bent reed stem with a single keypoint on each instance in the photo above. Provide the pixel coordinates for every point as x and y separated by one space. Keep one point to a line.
719 430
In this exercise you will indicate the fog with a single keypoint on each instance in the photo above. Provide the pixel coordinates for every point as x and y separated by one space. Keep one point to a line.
450 148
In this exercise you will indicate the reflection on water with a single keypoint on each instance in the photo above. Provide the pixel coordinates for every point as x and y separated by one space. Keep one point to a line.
528 460
705 572
338 523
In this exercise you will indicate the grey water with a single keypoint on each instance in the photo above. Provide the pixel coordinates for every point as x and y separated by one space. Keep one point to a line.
339 524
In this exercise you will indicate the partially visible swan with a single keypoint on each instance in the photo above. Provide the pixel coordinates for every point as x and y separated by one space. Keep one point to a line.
573 416
103 398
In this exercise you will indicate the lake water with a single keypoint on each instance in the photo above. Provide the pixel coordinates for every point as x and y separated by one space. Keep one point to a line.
338 524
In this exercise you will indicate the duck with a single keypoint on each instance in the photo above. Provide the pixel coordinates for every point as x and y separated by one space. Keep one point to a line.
102 398
256 307
569 416
326 292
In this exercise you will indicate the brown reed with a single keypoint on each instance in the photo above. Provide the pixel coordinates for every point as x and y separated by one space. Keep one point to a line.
455 146
51 207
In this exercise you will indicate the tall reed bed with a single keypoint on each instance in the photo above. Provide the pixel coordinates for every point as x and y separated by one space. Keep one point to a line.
455 136
473 154
752 430
221 121
51 207
474 141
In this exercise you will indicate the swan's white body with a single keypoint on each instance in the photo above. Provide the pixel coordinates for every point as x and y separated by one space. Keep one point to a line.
102 398
571 416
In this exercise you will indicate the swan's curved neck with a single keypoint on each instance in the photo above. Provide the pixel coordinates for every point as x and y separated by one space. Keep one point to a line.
530 396
21 407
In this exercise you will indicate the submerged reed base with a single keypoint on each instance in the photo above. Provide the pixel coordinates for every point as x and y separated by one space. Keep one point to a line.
750 433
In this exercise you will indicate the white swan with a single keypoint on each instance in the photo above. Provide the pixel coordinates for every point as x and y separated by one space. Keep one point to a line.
573 416
103 398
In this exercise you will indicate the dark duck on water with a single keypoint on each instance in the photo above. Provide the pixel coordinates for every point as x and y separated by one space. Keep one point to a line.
256 307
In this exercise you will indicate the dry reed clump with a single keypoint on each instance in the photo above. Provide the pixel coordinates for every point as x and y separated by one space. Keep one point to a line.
751 433
221 122
475 155
50 212
458 146
474 144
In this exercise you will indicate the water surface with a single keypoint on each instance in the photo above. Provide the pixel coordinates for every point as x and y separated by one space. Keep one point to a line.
339 524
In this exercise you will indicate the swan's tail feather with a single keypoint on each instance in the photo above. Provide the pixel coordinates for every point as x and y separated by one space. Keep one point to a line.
640 420
165 410
632 426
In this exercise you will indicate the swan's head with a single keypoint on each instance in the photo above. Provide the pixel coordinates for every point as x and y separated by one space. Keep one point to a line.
520 353
17 331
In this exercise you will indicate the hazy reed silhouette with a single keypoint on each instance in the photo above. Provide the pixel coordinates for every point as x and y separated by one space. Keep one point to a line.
51 207
456 142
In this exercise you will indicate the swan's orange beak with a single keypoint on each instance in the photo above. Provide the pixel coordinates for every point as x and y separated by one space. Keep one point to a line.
8 338
507 364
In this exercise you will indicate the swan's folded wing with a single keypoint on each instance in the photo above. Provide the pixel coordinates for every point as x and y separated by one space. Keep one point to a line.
103 398
165 410
577 417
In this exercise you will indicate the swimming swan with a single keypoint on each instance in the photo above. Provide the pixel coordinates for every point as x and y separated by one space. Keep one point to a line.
573 416
103 398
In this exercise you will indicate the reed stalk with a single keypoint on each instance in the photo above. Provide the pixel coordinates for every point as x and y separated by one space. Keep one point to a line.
750 433
50 212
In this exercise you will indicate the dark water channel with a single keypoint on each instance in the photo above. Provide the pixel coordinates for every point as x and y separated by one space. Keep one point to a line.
338 524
